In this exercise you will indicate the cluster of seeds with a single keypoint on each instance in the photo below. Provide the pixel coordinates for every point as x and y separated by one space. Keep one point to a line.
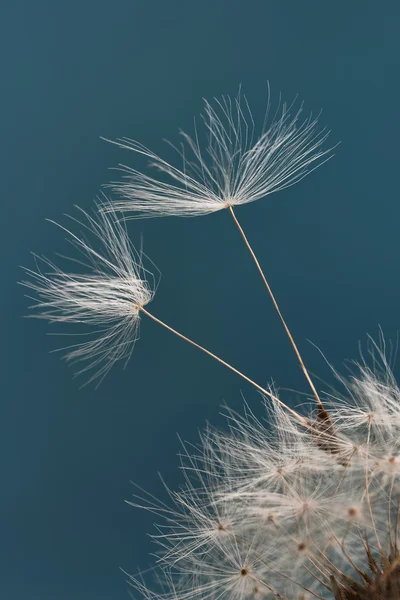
286 510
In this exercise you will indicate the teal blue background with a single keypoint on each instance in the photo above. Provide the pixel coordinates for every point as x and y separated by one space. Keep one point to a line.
74 71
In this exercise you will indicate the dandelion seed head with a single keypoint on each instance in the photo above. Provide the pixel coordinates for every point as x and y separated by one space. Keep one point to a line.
327 528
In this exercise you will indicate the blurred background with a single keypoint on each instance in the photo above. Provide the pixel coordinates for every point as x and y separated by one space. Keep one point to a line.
74 71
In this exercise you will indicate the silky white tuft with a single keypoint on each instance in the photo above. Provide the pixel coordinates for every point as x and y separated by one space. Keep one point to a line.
106 296
230 166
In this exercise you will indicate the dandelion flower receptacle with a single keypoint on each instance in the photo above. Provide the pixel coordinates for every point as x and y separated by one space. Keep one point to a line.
105 292
229 167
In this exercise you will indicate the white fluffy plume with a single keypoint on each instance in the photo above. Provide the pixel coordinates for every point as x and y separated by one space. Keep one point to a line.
103 292
226 163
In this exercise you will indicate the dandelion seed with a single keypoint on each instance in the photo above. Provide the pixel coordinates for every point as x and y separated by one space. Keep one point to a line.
234 167
105 297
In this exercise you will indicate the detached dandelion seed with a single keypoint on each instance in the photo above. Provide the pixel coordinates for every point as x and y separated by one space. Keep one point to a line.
105 297
232 167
